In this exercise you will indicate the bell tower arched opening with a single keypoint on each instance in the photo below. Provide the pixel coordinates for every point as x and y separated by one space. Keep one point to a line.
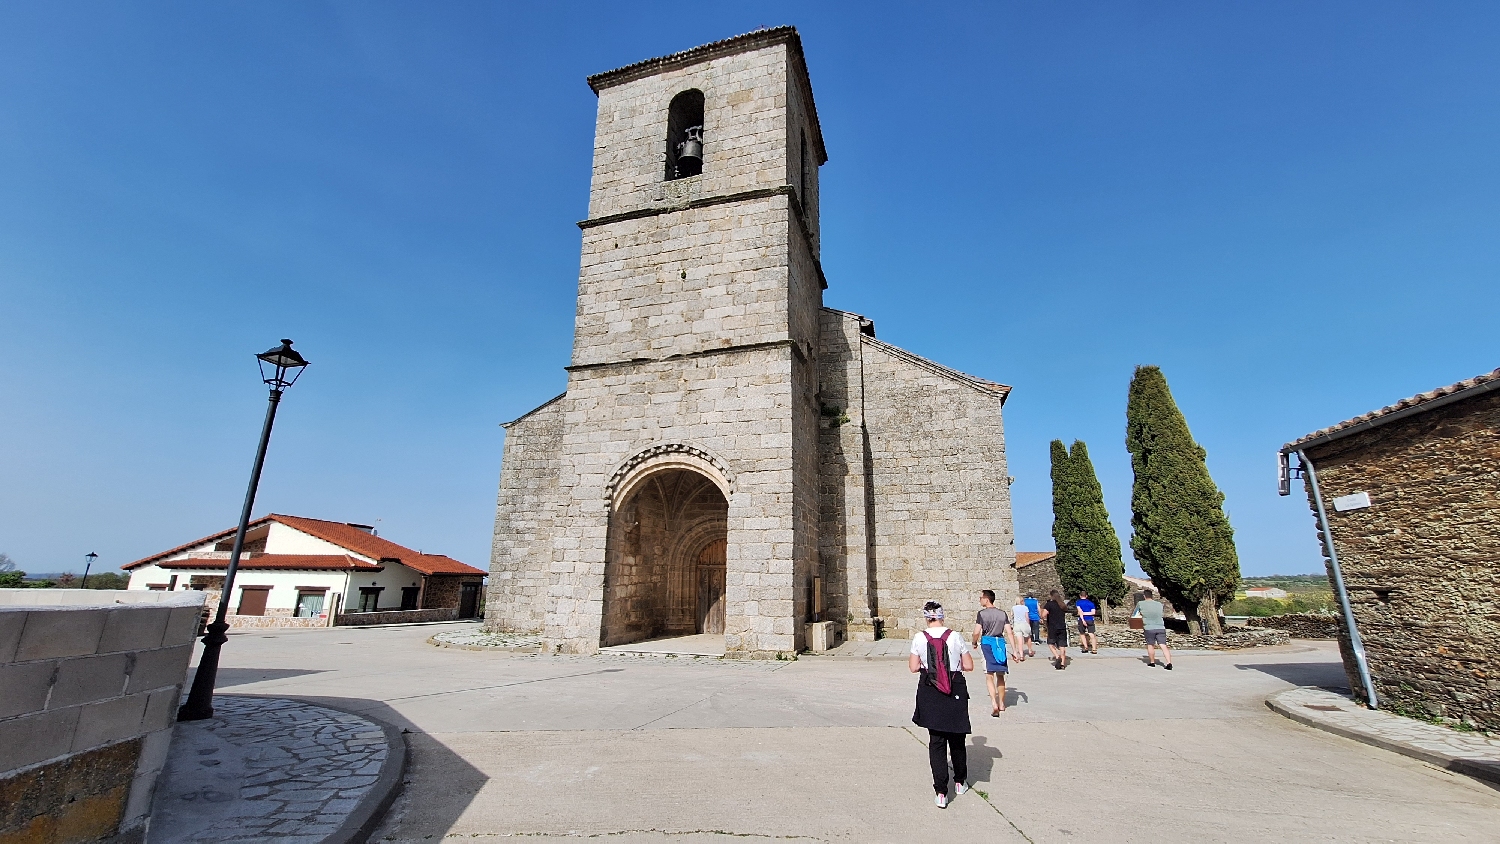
664 567
685 135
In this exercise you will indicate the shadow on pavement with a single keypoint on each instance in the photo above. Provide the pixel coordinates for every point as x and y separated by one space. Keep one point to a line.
427 759
240 676
982 758
1322 675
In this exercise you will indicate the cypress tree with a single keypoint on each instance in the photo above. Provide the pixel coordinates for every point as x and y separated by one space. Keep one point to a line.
1088 551
1181 535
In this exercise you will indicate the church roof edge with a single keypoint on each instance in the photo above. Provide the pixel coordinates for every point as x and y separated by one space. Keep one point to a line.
1001 390
727 47
550 401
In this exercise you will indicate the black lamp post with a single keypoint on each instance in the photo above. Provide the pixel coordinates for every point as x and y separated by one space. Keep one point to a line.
286 366
91 557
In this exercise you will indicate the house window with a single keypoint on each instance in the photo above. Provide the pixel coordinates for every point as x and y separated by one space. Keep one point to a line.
369 598
157 587
310 602
253 600
685 135
409 597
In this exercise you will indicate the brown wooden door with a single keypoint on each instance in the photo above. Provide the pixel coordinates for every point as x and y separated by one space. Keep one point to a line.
253 600
711 587
468 600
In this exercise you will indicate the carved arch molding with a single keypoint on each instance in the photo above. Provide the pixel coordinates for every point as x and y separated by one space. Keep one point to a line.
629 474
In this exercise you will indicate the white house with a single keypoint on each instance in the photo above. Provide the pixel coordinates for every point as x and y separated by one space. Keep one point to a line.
1265 592
300 572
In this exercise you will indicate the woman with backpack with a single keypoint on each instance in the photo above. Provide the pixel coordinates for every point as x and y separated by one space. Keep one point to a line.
940 656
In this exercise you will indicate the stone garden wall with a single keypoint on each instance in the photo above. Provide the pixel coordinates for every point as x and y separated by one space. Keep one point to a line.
88 696
1301 625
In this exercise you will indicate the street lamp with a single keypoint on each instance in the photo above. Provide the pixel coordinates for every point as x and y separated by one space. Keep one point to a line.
285 366
91 557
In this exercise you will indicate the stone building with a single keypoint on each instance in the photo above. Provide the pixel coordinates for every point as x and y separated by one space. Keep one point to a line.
1411 493
1036 573
731 457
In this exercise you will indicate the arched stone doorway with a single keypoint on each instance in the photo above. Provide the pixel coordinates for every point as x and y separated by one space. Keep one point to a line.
665 558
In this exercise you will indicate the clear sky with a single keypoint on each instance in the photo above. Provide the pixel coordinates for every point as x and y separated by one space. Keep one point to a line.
1289 207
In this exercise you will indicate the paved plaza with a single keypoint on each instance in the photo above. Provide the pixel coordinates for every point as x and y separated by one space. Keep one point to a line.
638 747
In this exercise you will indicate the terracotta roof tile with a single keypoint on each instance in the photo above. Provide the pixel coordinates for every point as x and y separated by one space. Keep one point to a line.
303 562
346 537
1374 417
1026 558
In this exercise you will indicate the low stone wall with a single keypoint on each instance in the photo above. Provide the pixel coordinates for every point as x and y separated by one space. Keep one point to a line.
365 619
256 622
1301 625
1233 639
89 684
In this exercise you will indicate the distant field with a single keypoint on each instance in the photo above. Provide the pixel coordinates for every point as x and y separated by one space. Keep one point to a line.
1306 593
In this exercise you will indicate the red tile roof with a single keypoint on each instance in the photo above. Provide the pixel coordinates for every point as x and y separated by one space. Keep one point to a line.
346 537
1026 558
332 562
1421 401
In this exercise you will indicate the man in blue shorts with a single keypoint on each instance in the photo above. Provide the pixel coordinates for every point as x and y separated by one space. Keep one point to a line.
991 631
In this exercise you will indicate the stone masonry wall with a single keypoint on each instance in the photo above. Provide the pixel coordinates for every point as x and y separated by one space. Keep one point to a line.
744 132
1039 578
1422 563
941 493
88 696
734 404
845 531
526 521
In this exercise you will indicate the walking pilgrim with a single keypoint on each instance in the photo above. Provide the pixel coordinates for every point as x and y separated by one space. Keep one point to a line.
940 656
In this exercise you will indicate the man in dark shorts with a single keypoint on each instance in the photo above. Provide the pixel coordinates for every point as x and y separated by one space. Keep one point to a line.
992 631
1088 642
1055 616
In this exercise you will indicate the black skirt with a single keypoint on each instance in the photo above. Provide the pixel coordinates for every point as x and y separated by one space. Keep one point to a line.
945 713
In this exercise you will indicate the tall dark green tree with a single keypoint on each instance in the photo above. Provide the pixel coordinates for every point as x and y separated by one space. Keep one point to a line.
1088 551
1181 536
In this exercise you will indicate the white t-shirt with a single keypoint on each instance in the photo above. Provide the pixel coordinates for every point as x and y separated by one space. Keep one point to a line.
957 647
1020 619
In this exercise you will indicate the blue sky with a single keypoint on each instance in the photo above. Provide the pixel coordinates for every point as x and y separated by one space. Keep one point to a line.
1289 207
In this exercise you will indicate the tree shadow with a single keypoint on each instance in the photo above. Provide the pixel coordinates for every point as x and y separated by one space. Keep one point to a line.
1322 675
982 758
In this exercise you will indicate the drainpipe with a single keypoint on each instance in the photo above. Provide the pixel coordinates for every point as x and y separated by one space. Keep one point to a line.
1356 644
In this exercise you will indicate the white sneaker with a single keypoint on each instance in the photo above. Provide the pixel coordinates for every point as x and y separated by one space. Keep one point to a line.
941 800
962 787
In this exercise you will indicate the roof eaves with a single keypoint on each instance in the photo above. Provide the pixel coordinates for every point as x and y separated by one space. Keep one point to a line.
211 537
1420 403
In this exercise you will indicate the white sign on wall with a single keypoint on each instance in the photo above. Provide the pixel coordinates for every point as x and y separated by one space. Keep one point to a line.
1352 501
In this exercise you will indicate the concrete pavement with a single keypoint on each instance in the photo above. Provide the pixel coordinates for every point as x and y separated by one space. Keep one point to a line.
651 748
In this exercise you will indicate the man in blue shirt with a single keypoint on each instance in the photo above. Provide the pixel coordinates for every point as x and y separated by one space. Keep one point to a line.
1088 642
1033 612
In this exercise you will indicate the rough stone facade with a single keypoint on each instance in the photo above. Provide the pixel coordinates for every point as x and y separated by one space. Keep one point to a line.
1422 562
729 454
1037 576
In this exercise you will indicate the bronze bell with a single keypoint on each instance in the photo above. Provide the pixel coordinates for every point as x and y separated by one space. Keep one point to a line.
690 152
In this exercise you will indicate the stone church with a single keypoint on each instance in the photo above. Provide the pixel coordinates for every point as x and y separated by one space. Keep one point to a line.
732 457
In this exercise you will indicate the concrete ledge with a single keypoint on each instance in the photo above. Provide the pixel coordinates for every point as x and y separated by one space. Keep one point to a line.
1463 753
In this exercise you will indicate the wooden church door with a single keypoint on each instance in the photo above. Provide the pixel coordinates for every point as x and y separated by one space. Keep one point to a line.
711 587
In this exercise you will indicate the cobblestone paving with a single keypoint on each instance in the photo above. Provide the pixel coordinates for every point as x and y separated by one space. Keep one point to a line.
476 638
1328 710
265 769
